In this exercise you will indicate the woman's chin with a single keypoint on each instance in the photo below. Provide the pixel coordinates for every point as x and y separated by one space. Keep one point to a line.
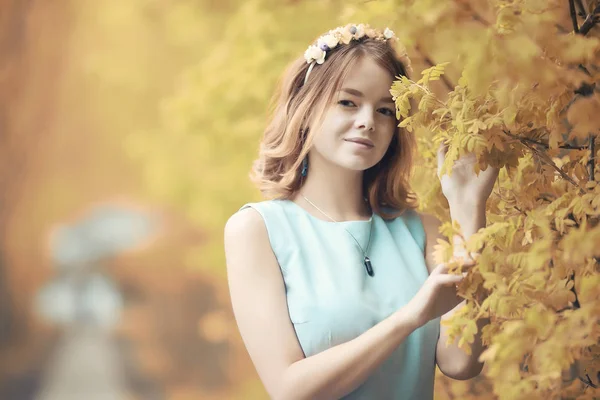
359 166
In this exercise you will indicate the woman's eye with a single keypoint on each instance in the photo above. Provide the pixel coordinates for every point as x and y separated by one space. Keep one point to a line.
387 111
346 103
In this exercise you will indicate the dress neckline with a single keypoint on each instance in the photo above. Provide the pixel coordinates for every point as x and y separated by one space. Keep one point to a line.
357 222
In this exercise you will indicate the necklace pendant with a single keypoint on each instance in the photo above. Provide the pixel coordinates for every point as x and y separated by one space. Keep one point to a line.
369 267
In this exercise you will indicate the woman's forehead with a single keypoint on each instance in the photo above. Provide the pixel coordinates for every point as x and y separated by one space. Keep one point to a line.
368 78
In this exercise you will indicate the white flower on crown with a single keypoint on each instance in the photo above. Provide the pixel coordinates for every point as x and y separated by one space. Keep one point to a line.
370 32
313 53
360 31
330 40
344 35
388 33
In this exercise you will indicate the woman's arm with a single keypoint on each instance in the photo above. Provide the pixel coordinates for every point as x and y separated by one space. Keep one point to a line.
259 304
452 360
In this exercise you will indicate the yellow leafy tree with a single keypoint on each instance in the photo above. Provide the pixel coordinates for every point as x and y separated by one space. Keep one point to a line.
525 101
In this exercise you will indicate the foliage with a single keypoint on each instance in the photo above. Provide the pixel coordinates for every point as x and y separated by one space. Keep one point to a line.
526 101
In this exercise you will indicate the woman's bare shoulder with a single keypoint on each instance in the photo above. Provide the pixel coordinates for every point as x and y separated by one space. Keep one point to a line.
246 229
247 221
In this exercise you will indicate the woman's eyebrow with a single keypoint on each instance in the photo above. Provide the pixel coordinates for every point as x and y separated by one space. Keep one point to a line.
358 93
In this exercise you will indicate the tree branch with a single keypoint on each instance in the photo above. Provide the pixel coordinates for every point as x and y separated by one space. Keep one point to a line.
588 381
590 21
467 7
580 8
573 14
545 159
592 160
586 89
545 145
569 104
431 63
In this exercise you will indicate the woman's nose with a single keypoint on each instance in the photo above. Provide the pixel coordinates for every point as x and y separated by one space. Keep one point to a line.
365 120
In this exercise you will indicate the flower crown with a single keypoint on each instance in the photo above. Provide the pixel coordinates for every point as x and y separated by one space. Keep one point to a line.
315 54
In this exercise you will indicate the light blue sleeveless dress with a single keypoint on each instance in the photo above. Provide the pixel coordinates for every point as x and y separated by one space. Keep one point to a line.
331 298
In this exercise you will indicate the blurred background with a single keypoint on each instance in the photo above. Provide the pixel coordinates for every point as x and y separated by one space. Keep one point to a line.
128 130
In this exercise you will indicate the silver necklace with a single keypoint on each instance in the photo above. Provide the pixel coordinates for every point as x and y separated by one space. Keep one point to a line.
366 261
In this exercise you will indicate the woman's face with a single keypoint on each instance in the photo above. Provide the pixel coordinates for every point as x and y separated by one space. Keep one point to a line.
360 122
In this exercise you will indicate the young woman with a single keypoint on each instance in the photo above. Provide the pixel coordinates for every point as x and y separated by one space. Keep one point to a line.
332 281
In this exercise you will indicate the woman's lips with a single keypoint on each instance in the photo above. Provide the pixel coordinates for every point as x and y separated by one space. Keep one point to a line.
363 144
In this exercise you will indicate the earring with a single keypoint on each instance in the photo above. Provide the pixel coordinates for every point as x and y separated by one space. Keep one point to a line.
304 171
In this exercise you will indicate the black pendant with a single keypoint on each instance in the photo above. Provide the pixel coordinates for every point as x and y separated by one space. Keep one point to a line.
369 267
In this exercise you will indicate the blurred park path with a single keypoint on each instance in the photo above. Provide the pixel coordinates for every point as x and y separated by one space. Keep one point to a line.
86 364
84 85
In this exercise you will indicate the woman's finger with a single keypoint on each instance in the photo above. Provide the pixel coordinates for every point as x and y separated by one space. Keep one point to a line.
450 280
440 269
443 269
441 156
465 263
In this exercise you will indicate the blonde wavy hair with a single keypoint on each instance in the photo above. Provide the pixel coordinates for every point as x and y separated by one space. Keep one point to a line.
287 138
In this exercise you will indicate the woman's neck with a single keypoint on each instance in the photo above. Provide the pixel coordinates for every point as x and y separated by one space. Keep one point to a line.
338 194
